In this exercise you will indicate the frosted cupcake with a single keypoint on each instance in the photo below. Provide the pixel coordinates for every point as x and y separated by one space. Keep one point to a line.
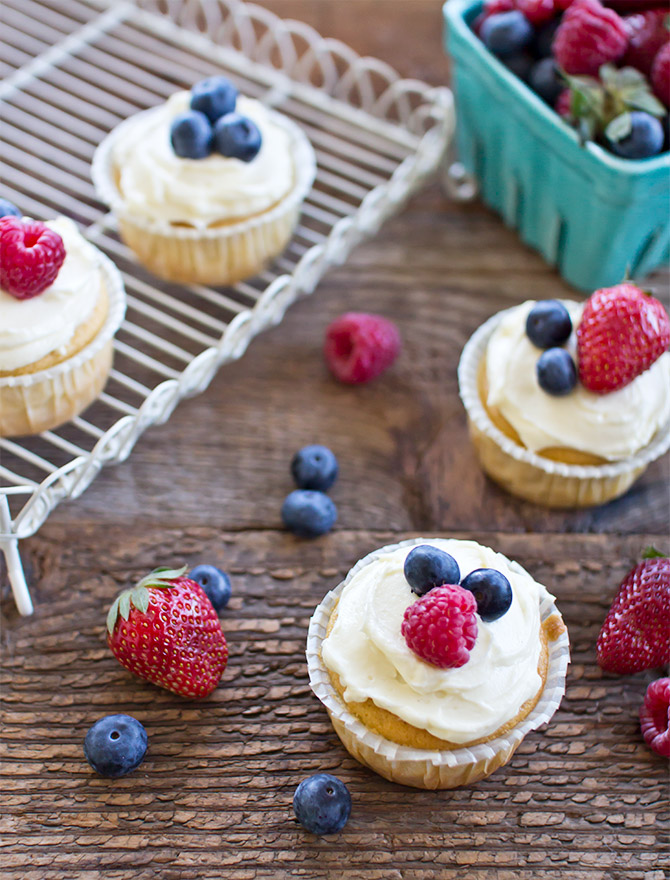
568 403
435 658
61 301
208 186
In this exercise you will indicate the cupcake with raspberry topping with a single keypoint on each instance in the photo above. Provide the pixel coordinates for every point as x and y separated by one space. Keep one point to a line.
435 658
568 403
208 186
61 301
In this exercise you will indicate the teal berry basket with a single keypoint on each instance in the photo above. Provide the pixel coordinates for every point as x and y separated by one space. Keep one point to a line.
593 215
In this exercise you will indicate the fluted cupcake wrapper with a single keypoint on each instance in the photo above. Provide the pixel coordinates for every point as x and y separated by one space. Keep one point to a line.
529 475
418 767
35 402
221 254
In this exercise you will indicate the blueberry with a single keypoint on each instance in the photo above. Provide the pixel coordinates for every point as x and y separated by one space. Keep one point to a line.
191 135
214 97
492 591
214 582
8 209
427 567
556 372
115 745
237 137
520 64
506 33
544 37
546 81
314 467
645 138
308 514
548 324
322 804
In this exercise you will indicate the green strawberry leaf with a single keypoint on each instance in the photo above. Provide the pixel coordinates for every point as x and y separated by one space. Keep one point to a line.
140 598
112 614
161 577
619 128
124 604
653 553
642 99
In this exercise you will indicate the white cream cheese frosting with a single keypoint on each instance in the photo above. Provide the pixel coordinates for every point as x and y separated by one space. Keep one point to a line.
164 188
368 652
612 426
30 329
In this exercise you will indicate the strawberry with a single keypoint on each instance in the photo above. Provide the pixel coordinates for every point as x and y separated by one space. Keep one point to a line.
166 631
660 74
647 32
636 633
622 332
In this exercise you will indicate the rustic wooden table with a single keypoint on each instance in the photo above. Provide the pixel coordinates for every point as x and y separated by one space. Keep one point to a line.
583 800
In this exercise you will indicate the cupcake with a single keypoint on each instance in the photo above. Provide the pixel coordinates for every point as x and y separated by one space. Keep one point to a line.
568 403
207 187
61 301
435 658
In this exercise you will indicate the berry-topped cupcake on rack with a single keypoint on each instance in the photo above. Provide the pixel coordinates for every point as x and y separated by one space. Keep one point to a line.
577 385
61 301
208 186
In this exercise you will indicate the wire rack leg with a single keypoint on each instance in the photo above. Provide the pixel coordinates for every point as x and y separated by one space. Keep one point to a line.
10 548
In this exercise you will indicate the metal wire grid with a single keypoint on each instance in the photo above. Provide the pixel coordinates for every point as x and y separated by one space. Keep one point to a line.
74 69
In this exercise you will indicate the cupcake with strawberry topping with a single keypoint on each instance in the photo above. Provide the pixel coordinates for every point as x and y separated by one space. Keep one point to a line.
207 187
435 658
568 403
61 301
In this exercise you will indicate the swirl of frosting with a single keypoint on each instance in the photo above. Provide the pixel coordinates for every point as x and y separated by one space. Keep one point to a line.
30 329
612 426
368 652
163 188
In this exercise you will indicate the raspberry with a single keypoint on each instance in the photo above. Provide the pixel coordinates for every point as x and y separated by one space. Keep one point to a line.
359 347
622 332
563 104
660 75
536 11
441 627
655 717
562 5
647 32
634 636
589 36
30 256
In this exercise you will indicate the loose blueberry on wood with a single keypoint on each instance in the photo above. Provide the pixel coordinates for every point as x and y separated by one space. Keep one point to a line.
191 135
214 582
556 372
115 745
548 324
491 590
215 97
427 567
322 804
308 514
314 467
237 137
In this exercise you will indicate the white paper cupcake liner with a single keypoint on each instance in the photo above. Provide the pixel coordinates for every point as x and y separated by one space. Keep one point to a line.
214 255
418 767
529 475
34 402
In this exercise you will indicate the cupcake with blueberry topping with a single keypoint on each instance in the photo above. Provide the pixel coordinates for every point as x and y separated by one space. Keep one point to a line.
61 301
435 658
568 403
207 187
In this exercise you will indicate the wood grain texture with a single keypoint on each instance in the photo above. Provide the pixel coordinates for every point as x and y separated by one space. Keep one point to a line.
582 800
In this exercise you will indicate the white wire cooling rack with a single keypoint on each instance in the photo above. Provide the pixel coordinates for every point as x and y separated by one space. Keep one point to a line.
72 70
